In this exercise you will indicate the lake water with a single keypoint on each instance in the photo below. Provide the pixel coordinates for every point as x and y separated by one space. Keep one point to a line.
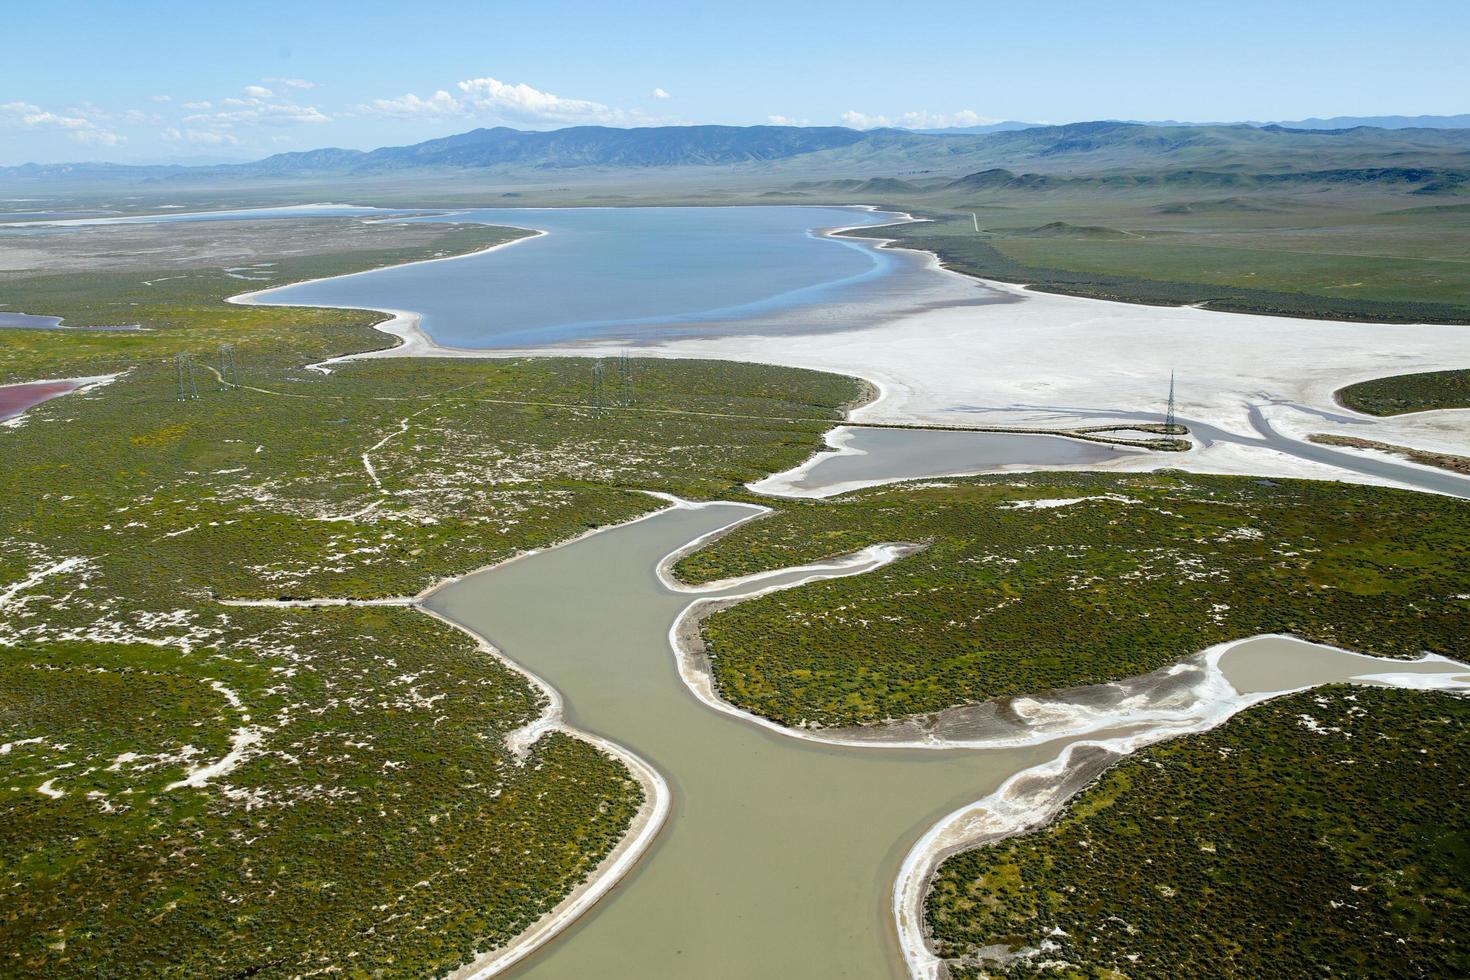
867 456
15 399
633 274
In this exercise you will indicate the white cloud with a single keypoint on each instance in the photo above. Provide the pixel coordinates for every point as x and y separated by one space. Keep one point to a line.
200 137
916 120
97 137
296 83
659 93
410 106
250 112
288 114
787 121
258 91
522 103
198 106
80 128
501 101
162 98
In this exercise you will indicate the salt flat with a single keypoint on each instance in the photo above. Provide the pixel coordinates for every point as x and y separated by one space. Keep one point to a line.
1049 360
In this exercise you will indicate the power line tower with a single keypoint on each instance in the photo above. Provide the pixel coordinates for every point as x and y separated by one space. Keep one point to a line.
1169 412
227 373
625 368
597 373
184 386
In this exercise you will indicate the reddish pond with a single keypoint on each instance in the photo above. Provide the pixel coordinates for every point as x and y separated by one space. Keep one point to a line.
15 399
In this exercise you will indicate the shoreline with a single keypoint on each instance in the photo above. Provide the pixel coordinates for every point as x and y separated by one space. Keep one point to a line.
838 440
404 325
14 417
1190 695
896 398
1032 798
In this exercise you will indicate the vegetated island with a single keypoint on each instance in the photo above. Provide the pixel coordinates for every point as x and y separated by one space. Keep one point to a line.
1051 580
1321 833
1404 393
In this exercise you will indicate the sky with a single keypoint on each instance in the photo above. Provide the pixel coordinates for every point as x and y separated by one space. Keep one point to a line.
143 81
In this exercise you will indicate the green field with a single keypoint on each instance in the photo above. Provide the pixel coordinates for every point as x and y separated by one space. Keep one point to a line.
1405 393
1009 599
1327 257
373 820
1321 834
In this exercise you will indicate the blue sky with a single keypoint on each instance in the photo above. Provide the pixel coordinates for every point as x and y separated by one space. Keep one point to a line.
164 81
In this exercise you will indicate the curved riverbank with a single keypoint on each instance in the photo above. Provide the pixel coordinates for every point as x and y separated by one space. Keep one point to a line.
1046 748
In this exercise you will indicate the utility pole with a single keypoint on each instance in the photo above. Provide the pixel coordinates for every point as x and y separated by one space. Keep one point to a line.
184 377
625 368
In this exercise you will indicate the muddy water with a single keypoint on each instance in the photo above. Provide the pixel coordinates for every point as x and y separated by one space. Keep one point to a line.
1276 663
780 855
866 456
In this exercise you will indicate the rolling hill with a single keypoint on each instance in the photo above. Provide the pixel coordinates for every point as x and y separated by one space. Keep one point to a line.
1078 149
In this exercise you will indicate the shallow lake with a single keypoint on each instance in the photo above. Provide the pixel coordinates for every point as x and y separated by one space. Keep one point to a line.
866 456
635 274
15 399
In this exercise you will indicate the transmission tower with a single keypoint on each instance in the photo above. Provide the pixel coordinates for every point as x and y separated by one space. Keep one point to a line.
184 377
227 374
625 368
597 372
1169 412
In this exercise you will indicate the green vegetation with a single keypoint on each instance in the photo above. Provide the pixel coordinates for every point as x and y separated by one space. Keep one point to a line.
191 788
1323 833
1011 599
1403 393
1445 461
1226 260
185 308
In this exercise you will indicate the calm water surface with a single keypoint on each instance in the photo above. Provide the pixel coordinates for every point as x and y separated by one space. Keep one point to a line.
779 856
880 455
619 272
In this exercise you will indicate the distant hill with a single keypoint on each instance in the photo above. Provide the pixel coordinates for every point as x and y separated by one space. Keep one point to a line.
1332 122
1382 122
1008 126
1040 154
1422 181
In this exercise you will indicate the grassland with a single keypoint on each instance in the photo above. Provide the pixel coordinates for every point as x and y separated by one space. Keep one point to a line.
191 788
1013 598
1345 264
153 275
1403 393
1321 834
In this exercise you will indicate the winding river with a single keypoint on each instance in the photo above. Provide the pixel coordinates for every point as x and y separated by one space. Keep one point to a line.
780 853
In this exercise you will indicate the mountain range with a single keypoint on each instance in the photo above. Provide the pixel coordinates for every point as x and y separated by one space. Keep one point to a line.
1070 150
